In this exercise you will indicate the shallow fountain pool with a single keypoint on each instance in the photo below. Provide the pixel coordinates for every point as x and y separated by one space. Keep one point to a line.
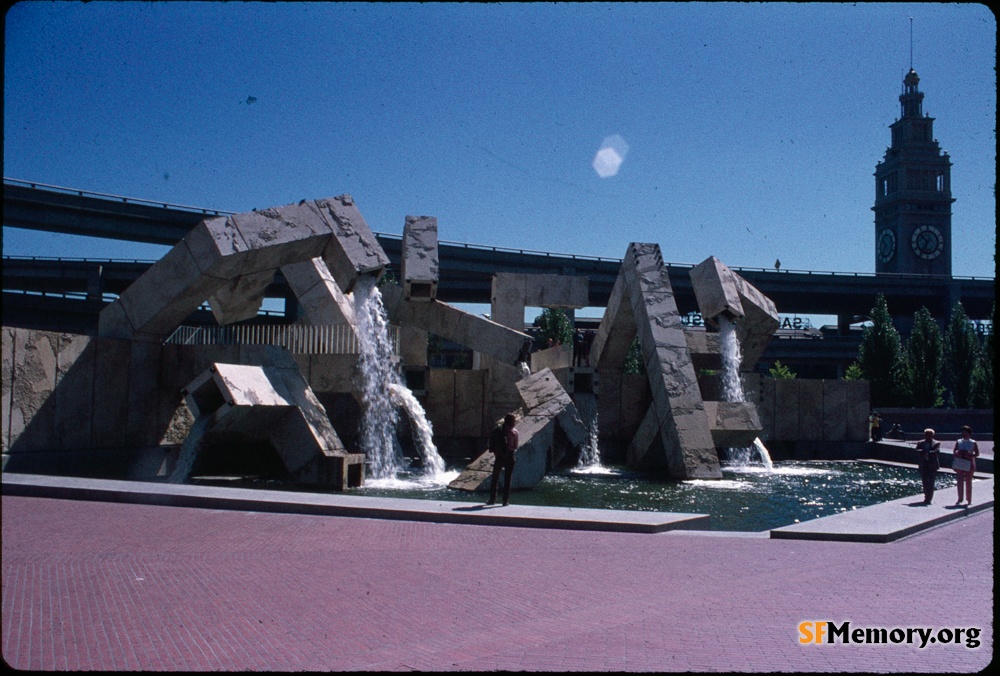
745 499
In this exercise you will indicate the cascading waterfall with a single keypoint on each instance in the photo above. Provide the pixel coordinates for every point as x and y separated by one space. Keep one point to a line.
732 390
383 391
590 454
423 433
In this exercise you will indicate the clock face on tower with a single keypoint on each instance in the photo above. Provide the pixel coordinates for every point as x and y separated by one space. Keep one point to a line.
927 242
886 245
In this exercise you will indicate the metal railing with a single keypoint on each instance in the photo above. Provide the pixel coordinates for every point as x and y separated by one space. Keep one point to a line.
296 338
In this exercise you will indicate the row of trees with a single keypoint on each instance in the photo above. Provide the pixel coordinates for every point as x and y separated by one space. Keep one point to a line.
931 369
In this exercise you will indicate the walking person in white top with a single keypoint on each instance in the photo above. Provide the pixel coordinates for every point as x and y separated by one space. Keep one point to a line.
964 463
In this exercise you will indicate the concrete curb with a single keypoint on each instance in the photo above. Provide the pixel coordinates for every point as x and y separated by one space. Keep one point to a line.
326 504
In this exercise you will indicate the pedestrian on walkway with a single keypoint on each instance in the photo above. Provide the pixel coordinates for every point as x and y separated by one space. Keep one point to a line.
503 443
876 421
963 461
928 462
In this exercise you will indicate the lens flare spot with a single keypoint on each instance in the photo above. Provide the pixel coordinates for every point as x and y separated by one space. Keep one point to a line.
610 156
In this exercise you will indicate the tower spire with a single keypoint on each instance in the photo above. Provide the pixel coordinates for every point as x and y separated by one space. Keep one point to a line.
911 43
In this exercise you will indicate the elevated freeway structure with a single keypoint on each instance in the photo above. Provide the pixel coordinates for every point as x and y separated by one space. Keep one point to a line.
67 293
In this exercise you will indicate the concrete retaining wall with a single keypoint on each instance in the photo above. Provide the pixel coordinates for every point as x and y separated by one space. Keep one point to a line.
811 410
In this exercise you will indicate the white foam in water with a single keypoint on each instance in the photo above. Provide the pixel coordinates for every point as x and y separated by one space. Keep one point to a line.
732 390
383 392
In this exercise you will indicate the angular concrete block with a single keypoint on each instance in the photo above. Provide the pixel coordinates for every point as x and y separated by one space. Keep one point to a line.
319 296
616 332
555 357
466 329
167 293
715 289
217 247
32 404
721 292
704 350
733 424
274 403
420 258
543 396
684 432
240 299
113 322
353 250
507 300
277 236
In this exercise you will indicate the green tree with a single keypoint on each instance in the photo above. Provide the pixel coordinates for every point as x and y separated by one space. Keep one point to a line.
961 357
633 360
924 355
854 372
781 371
881 357
554 324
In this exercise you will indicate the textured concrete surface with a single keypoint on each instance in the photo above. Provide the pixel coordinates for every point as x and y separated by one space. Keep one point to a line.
111 586
890 521
420 258
546 405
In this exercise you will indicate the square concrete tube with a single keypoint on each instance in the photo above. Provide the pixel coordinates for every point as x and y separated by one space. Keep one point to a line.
616 331
513 292
240 298
720 291
353 251
546 404
277 404
420 258
320 297
681 418
715 289
733 424
161 298
544 396
217 252
642 303
466 329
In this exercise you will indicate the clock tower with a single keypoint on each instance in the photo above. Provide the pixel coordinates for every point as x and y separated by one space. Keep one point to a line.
913 194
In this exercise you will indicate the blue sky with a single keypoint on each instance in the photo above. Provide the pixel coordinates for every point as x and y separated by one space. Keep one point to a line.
753 130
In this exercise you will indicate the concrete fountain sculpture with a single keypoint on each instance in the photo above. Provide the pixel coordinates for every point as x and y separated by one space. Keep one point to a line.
332 263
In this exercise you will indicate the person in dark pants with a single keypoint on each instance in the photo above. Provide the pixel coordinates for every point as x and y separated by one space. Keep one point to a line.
928 463
503 443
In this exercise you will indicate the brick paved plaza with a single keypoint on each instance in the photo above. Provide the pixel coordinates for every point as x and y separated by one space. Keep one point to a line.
104 586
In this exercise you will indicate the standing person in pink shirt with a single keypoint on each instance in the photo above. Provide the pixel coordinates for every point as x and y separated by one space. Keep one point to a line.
964 463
